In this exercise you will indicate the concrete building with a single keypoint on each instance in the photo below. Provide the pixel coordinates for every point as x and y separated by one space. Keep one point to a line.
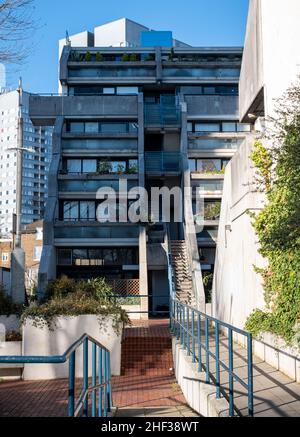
32 244
37 145
266 73
154 116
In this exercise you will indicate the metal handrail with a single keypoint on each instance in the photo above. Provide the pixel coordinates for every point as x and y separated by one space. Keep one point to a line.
101 370
186 325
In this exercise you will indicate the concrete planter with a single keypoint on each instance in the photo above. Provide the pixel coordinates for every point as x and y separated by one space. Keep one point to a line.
11 371
43 342
11 323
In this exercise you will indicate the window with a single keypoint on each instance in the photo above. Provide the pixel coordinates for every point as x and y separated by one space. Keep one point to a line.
71 212
229 127
64 257
89 166
88 211
74 166
91 128
76 127
5 257
207 127
37 253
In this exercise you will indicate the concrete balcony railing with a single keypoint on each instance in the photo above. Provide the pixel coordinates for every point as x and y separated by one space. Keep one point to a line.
223 107
43 110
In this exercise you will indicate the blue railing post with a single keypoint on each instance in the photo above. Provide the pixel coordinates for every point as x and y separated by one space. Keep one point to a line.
100 382
71 402
188 331
85 376
217 335
199 343
183 325
105 384
94 379
110 403
231 394
177 321
207 349
193 336
250 375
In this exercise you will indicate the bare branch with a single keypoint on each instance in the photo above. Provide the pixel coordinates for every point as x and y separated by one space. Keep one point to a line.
16 27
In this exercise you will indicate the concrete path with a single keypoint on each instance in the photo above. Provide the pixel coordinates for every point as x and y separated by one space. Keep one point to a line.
179 411
275 394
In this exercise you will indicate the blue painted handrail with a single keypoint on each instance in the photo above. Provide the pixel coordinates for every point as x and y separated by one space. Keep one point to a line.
191 327
100 388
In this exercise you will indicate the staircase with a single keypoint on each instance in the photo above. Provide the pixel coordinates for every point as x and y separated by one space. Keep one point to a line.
182 272
146 351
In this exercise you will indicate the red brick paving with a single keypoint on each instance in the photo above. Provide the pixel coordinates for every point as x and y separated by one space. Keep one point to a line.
146 379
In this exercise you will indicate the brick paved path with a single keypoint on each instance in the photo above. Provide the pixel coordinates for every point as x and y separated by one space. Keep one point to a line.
146 381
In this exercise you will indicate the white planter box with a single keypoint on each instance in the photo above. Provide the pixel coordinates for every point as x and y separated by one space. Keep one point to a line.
10 348
43 342
11 372
11 323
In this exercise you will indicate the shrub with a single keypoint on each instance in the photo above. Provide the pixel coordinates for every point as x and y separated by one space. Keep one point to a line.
68 298
133 58
7 305
99 57
125 58
88 57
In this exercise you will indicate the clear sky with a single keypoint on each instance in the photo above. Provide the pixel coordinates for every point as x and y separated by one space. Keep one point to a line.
196 22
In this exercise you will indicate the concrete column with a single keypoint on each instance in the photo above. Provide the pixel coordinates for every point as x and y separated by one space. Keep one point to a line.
143 271
17 279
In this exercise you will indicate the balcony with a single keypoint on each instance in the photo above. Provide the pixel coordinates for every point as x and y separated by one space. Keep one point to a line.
157 114
43 110
162 162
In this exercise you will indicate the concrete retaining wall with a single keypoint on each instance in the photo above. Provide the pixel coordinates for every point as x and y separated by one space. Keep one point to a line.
43 342
200 396
274 351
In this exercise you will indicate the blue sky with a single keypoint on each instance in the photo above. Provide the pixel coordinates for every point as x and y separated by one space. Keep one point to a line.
197 22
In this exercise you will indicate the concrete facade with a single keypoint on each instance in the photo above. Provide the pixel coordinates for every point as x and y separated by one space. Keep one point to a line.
266 73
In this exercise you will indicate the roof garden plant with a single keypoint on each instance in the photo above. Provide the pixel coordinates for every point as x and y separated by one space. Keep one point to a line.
278 223
66 297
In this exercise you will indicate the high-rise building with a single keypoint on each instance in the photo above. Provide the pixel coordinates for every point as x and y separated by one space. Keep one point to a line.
37 149
154 115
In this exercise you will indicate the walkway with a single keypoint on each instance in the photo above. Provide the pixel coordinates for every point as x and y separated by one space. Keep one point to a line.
275 395
147 387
